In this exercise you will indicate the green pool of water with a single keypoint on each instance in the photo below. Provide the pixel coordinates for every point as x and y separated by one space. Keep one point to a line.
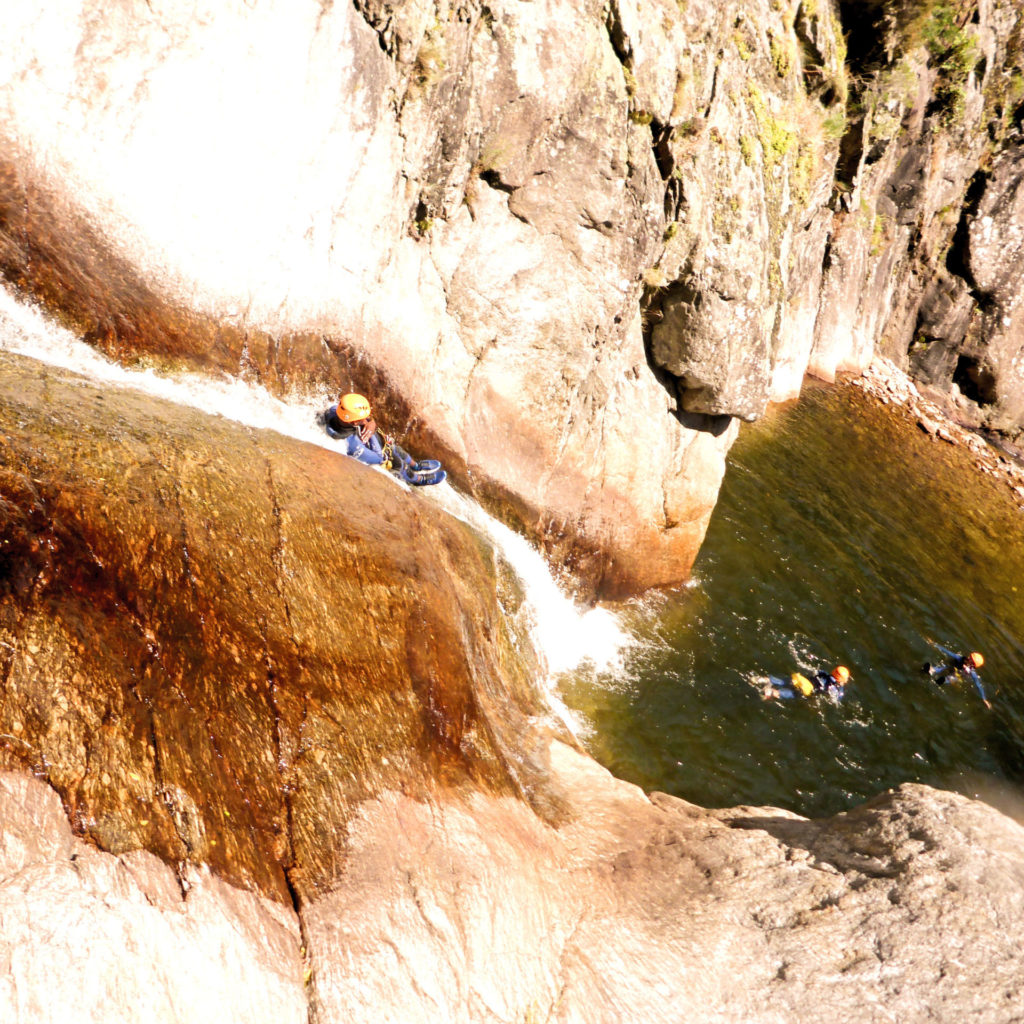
845 535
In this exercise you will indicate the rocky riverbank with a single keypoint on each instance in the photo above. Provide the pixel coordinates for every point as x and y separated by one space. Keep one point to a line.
948 418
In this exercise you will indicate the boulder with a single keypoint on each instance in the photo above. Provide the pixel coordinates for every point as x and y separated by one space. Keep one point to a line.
648 908
219 641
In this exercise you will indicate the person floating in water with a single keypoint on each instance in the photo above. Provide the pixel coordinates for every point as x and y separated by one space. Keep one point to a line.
833 683
957 666
350 421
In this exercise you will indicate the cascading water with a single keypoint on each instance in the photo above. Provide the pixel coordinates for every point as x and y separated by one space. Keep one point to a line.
563 633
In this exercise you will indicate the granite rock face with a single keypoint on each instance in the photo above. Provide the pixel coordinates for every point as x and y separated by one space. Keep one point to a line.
650 909
566 246
217 642
989 366
87 936
471 909
928 156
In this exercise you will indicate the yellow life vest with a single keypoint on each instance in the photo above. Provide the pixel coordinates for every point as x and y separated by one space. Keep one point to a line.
802 683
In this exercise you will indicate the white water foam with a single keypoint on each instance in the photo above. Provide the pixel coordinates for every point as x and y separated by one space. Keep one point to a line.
564 635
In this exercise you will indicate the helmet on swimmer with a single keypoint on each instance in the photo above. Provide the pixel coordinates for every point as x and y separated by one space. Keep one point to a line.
976 659
842 673
352 408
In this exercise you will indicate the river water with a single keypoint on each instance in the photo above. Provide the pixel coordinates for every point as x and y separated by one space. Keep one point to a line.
843 535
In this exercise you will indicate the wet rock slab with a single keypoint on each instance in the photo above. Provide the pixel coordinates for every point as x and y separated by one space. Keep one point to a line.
215 642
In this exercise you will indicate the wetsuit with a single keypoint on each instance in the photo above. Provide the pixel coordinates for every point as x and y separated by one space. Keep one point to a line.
825 682
370 451
799 685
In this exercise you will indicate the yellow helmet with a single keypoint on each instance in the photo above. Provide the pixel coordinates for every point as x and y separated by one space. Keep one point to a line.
976 659
842 673
352 408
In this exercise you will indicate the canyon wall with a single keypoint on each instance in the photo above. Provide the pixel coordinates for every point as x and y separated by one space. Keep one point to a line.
283 704
567 248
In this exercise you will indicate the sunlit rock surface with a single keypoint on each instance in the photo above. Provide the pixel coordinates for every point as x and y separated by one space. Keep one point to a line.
451 208
563 244
216 642
651 909
86 936
471 909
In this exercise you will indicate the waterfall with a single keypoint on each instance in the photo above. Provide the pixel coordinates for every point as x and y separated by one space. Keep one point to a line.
564 635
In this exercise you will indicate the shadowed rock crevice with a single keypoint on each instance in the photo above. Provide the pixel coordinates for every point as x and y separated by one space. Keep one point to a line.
958 260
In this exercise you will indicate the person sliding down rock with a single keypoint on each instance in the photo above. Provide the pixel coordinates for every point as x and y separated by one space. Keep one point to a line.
350 421
957 666
832 683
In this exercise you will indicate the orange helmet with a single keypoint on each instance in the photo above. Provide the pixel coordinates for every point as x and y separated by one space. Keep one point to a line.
842 673
975 659
352 408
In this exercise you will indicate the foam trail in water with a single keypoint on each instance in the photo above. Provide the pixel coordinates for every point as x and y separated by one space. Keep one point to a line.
564 635
567 635
27 331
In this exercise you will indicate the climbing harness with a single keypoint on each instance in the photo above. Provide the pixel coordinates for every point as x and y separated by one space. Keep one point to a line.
388 451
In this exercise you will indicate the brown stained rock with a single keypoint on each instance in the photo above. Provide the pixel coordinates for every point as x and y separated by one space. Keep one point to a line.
604 227
495 206
257 657
217 642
